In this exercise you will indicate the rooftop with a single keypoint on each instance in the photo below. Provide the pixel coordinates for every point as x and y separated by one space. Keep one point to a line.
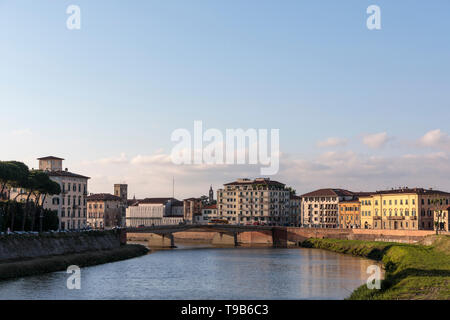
265 181
50 158
103 197
61 173
421 191
329 192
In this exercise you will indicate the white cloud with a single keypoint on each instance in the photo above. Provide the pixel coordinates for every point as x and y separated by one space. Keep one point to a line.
151 175
435 138
332 142
376 140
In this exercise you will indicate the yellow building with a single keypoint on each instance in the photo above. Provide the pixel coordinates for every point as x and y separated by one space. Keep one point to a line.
406 209
349 214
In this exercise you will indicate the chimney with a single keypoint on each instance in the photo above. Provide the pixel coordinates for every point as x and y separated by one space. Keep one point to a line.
66 169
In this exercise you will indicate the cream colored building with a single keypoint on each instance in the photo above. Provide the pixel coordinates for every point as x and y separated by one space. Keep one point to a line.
246 201
209 212
320 207
71 203
404 208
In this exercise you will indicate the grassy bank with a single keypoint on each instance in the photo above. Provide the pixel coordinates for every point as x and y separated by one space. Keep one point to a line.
412 271
15 269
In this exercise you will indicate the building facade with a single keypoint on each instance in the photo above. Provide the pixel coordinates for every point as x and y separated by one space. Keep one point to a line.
403 208
320 208
71 202
154 212
192 208
261 201
295 210
441 219
209 212
350 214
104 211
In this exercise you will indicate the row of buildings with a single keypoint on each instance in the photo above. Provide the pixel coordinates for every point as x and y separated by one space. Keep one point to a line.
260 201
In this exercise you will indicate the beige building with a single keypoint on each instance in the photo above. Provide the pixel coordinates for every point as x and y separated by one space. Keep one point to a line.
154 212
104 211
320 208
261 201
403 208
209 212
71 203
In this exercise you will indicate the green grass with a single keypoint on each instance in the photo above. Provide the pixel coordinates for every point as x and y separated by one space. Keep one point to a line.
412 271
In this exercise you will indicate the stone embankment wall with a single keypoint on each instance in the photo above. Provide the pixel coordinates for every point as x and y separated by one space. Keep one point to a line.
16 247
403 236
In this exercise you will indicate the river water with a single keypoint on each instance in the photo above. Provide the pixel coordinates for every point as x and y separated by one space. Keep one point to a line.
202 272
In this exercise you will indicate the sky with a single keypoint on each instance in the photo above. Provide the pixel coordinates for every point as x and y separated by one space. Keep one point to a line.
356 108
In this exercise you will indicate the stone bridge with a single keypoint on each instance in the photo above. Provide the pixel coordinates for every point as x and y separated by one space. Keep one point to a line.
163 236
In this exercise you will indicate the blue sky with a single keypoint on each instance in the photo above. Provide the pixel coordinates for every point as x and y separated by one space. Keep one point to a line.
136 71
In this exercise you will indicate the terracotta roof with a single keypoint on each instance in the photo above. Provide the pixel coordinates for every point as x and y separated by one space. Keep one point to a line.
198 199
211 206
50 158
329 192
420 191
293 196
61 173
103 197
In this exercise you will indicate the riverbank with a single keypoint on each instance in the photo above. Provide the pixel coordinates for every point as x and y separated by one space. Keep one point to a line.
413 271
40 265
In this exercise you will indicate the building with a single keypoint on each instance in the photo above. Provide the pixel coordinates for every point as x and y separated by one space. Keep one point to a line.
153 212
246 201
104 211
320 208
294 210
209 212
403 208
349 214
441 219
71 202
192 208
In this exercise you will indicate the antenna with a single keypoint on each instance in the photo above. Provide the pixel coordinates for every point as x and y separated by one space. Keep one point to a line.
173 187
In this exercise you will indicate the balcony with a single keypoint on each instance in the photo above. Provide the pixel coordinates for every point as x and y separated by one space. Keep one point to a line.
396 218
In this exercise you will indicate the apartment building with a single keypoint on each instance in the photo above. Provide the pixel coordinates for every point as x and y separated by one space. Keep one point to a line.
104 211
246 201
403 208
294 210
153 212
71 203
349 214
320 208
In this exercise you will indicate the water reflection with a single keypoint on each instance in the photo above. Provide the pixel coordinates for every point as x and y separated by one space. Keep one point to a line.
190 272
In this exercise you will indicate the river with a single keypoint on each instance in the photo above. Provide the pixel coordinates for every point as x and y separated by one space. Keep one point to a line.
203 272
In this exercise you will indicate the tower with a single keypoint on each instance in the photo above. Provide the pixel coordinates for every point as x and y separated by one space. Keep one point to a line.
121 190
211 195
